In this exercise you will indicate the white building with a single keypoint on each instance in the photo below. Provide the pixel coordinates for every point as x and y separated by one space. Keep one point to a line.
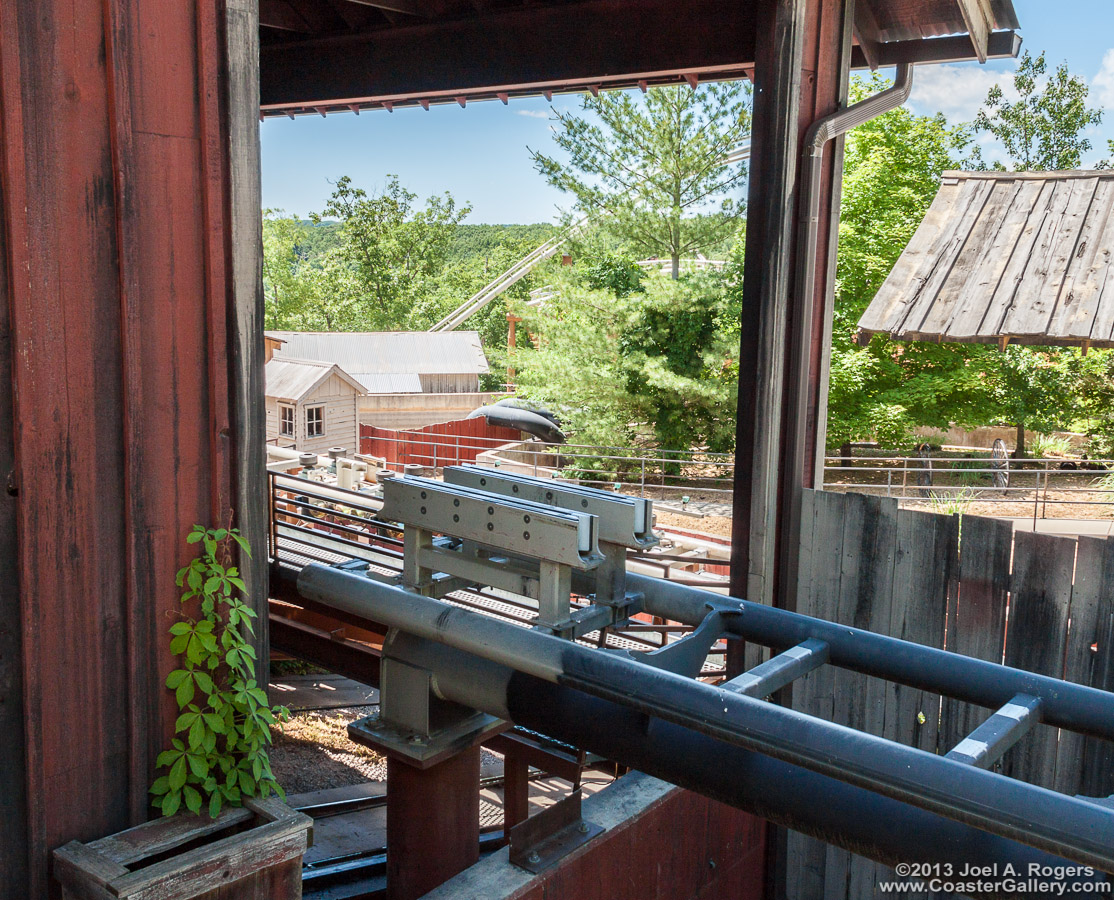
410 379
312 405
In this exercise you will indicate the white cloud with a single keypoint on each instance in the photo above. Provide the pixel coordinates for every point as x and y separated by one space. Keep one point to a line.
532 113
956 90
1102 87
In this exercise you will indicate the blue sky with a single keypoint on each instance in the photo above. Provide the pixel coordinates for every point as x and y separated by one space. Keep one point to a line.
479 153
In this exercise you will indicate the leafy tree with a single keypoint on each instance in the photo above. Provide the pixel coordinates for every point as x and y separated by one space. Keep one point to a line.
655 166
892 168
392 246
653 367
1043 129
304 290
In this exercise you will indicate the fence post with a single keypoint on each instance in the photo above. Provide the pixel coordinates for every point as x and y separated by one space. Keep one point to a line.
642 480
435 459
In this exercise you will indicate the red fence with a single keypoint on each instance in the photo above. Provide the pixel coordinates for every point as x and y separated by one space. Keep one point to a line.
447 444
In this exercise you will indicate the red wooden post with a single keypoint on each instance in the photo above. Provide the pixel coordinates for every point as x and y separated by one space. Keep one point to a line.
516 789
433 823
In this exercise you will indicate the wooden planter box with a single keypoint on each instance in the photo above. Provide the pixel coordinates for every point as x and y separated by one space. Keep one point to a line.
250 853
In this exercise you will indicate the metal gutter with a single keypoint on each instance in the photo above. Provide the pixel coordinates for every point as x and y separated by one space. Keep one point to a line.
819 134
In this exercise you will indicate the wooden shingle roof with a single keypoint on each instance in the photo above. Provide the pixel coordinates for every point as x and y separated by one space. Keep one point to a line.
1007 257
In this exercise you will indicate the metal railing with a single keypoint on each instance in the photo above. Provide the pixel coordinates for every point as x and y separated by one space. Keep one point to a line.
951 483
312 521
649 472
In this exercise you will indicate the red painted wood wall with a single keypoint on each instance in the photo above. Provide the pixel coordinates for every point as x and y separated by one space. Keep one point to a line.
447 444
684 847
115 393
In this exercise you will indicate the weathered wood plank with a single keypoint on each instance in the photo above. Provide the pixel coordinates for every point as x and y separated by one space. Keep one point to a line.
986 224
886 311
246 353
1091 608
1076 304
1034 302
977 613
767 277
939 258
13 799
819 593
1040 596
967 318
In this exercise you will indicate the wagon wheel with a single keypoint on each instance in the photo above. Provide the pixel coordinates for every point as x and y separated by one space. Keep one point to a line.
1000 463
924 465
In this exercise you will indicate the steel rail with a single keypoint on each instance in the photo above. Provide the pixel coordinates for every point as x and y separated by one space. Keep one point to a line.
1064 704
1065 826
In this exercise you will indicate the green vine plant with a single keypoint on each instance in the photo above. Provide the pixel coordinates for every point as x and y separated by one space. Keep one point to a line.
219 757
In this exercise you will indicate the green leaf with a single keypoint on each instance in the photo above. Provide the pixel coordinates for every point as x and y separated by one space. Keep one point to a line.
181 628
193 799
171 802
175 678
214 804
178 774
198 765
244 545
179 644
197 733
204 682
185 720
215 723
220 534
184 693
161 785
194 537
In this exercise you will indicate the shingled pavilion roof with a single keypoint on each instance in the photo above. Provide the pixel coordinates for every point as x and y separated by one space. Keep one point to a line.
1023 257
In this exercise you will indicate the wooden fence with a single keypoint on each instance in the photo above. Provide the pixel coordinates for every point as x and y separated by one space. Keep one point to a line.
446 444
1039 602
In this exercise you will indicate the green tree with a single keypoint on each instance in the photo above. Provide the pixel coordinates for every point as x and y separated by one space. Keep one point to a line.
654 367
1043 129
393 246
892 168
304 289
656 166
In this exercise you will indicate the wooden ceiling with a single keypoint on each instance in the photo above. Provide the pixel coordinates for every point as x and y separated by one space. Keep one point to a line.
318 56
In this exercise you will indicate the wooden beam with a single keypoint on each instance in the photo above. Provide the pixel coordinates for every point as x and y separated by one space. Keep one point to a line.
245 316
416 8
957 48
767 274
866 33
281 15
979 19
591 41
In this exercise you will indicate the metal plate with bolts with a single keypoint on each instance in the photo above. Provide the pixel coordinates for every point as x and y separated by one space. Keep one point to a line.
546 838
515 526
623 520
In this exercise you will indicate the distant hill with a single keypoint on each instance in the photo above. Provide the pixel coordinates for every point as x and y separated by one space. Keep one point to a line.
478 240
469 241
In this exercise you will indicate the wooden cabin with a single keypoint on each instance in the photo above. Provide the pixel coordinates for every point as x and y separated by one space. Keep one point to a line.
312 405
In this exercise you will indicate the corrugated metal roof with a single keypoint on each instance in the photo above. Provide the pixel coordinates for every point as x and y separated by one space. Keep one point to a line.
293 379
390 352
379 383
1024 256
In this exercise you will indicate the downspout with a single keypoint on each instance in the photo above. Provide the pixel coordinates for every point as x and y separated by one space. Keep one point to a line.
819 134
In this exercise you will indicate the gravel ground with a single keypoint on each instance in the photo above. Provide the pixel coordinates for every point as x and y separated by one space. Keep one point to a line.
718 525
312 752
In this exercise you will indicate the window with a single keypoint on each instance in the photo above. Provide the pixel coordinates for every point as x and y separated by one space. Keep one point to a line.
286 421
315 421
